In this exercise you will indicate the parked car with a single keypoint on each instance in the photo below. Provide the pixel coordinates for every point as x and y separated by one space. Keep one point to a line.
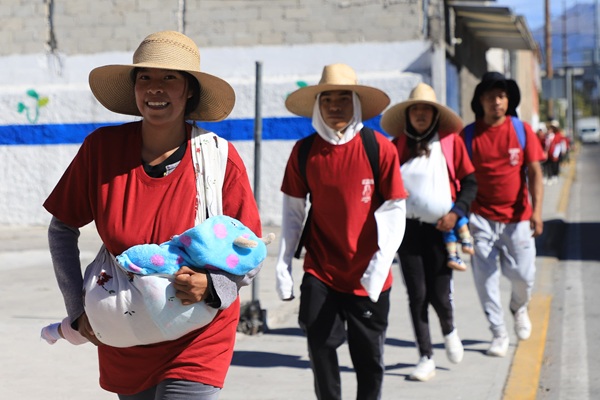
588 129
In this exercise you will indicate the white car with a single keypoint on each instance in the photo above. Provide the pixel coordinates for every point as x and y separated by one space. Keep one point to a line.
588 130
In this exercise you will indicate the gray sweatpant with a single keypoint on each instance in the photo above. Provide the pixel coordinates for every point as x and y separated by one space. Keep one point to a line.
514 247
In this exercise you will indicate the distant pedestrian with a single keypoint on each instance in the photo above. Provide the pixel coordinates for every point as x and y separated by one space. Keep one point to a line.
355 225
507 212
556 146
440 181
541 134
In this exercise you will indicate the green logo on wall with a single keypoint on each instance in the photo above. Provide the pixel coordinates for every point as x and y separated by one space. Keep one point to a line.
39 102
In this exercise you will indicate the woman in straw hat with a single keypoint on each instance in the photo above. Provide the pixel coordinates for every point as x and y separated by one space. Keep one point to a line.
355 228
144 182
439 178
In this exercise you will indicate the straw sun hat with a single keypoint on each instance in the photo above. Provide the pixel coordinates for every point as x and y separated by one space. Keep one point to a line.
393 120
337 77
114 88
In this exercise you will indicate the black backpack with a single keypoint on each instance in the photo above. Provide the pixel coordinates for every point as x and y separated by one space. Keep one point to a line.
371 148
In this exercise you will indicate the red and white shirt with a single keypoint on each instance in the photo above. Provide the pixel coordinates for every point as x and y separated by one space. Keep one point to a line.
106 183
499 160
343 232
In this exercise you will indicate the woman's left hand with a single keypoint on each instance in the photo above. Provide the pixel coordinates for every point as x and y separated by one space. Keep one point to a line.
447 222
191 286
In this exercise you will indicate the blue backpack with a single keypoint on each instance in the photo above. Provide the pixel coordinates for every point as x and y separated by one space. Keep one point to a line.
517 124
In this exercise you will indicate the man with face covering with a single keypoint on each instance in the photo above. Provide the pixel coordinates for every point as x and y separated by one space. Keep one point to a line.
356 226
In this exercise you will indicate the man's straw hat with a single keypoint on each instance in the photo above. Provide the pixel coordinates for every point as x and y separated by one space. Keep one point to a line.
393 120
337 77
113 85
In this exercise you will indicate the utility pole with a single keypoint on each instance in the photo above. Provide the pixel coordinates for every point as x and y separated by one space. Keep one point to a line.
568 73
548 45
596 57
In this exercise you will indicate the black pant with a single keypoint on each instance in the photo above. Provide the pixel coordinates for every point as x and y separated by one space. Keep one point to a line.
423 258
324 315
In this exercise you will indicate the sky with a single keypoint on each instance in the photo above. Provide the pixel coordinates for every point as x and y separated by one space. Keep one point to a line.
534 10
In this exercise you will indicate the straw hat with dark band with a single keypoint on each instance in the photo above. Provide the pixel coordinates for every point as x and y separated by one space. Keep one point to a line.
337 77
113 85
393 120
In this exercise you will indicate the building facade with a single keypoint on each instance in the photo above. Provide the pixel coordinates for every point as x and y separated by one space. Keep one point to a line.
48 48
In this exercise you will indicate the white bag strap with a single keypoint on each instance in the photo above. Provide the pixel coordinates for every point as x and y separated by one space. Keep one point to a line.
209 154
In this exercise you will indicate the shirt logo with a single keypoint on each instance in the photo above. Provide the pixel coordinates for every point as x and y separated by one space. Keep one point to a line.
514 155
367 190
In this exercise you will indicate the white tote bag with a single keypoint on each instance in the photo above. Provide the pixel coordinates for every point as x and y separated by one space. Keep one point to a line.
126 309
428 185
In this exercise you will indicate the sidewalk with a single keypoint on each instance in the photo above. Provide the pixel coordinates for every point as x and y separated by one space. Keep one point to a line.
273 365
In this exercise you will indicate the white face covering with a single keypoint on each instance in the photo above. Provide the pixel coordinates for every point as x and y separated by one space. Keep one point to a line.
331 135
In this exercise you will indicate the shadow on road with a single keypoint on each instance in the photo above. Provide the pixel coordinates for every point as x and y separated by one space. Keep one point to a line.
569 241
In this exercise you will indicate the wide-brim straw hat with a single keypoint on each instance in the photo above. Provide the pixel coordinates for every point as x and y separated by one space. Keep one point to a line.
393 120
113 85
338 77
491 80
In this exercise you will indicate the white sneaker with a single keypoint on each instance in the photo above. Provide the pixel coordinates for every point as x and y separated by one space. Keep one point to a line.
454 347
424 371
522 323
498 347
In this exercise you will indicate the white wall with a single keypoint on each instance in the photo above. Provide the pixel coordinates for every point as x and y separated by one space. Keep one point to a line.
32 170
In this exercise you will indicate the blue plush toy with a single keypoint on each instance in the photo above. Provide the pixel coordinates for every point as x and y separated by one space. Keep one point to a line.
220 242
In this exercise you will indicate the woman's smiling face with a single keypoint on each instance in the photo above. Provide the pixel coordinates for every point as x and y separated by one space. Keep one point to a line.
161 94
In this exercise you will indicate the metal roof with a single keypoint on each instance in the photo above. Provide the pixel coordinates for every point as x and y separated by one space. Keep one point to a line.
494 26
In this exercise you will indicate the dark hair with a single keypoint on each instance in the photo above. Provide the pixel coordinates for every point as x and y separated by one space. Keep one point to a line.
193 101
491 80
193 84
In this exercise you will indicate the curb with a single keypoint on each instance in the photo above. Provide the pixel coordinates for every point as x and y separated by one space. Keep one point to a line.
524 375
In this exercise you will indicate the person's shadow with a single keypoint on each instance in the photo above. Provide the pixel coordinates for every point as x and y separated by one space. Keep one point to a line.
569 240
266 359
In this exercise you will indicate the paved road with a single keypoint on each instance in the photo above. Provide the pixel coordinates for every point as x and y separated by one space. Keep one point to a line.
273 365
571 367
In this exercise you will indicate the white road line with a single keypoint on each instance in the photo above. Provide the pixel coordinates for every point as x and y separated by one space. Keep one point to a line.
574 378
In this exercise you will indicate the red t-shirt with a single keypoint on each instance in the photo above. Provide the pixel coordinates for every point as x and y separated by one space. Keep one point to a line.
499 160
343 232
106 183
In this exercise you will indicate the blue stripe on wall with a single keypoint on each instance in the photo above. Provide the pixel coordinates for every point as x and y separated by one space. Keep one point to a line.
292 128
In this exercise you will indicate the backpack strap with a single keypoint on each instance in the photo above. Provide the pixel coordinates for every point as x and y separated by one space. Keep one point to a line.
305 146
469 132
517 125
371 147
520 130
447 145
303 150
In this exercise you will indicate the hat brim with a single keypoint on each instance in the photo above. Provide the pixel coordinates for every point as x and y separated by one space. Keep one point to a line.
113 87
373 101
393 120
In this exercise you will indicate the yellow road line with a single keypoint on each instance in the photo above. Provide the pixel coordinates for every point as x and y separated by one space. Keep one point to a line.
524 376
